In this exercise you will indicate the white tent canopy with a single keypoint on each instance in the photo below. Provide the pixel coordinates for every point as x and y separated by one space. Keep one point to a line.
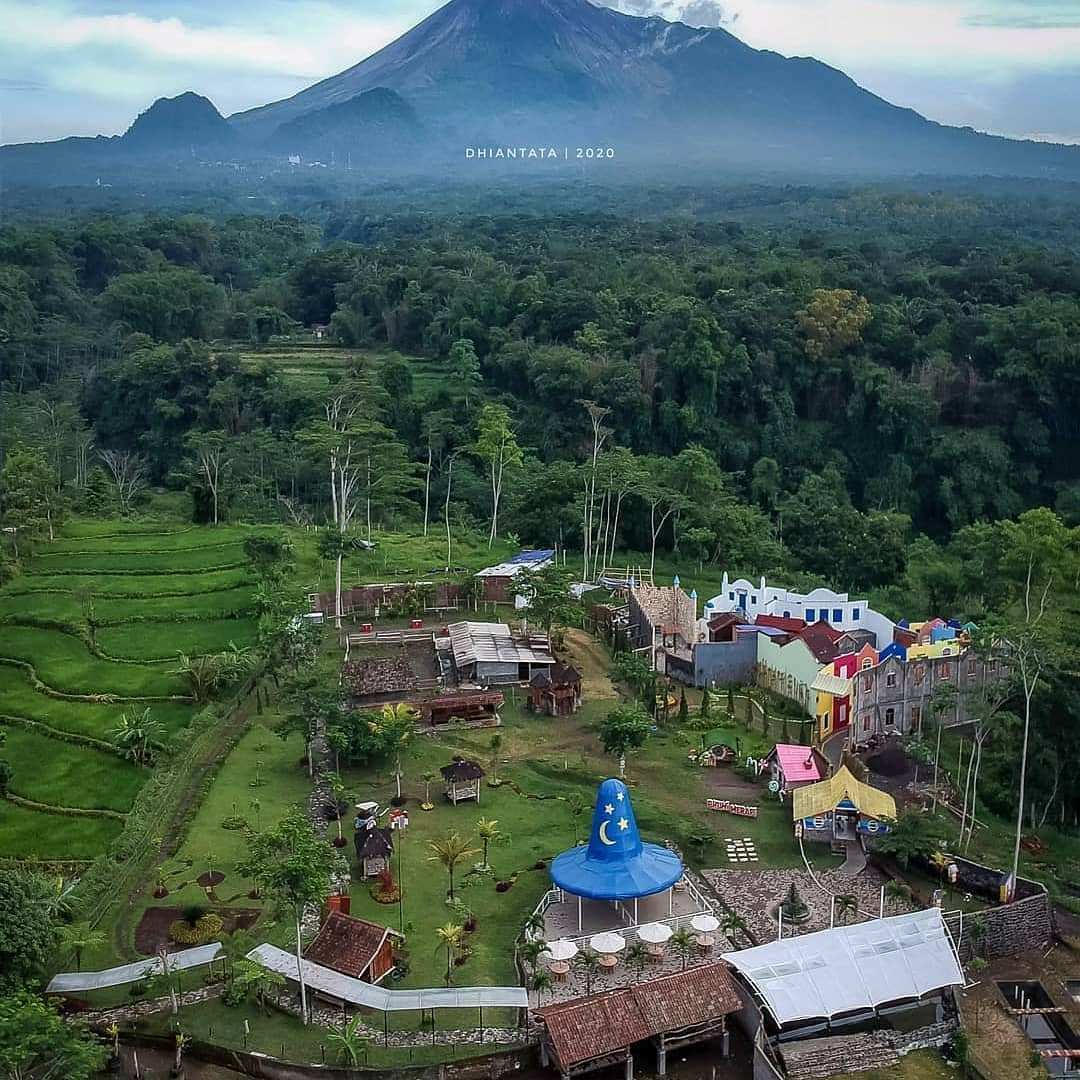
852 968
327 981
72 981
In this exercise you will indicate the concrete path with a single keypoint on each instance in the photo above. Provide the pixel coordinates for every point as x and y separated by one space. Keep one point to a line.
833 748
855 862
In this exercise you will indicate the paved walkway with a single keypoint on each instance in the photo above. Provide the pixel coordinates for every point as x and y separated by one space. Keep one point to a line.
855 861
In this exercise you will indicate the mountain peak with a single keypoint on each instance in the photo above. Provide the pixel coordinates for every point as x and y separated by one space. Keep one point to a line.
180 122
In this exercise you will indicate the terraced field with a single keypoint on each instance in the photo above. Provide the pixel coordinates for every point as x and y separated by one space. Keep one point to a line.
314 366
152 592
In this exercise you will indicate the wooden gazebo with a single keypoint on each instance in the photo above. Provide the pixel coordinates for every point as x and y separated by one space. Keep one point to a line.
556 690
374 846
461 780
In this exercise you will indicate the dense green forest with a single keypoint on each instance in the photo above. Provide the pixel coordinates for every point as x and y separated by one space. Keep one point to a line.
862 403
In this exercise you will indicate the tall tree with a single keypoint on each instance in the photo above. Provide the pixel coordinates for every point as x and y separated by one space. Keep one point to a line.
30 495
497 445
294 867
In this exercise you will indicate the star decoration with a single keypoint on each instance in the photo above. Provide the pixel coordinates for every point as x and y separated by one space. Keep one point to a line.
623 824
609 809
619 796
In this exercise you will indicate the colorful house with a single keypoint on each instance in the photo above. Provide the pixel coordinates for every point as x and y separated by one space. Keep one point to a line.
841 809
792 766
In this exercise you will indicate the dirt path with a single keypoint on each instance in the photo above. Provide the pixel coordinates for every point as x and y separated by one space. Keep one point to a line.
591 659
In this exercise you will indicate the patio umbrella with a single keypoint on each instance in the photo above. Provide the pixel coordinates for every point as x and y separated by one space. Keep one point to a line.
608 942
560 950
705 924
655 933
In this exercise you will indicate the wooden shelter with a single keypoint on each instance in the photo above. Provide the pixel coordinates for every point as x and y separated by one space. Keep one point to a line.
673 1011
477 707
556 690
461 780
354 947
374 846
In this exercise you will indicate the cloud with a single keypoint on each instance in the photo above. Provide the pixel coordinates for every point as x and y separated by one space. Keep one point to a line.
706 13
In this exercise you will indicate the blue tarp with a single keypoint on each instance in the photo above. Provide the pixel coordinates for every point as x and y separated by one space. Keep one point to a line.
615 864
541 555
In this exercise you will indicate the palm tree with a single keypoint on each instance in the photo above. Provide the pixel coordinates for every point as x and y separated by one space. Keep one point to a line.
637 956
398 724
588 963
337 789
541 983
251 977
234 948
897 892
534 924
846 904
733 924
450 938
349 1041
488 830
137 736
203 675
449 851
682 941
427 803
79 936
531 951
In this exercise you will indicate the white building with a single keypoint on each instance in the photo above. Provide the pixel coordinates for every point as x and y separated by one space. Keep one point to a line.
820 605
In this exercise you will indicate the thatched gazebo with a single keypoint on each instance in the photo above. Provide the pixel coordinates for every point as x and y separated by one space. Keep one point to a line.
461 780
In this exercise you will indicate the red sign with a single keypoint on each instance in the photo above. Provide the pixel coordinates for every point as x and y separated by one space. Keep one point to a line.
729 807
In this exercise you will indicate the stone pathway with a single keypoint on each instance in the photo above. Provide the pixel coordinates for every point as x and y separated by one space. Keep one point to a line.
741 851
754 894
145 1007
855 859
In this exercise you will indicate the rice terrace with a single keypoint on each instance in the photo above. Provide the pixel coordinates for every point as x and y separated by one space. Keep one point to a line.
92 635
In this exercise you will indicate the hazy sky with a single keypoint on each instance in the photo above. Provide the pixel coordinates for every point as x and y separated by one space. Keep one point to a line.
89 66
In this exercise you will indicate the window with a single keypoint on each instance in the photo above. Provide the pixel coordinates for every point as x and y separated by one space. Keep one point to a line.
810 613
946 670
916 717
890 717
971 667
855 613
837 615
992 666
731 596
866 722
920 674
867 663
890 679
753 599
868 683
787 614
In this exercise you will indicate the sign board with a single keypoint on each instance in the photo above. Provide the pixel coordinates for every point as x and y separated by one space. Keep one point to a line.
729 807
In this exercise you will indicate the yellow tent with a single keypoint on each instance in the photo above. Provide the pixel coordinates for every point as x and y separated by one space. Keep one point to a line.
816 800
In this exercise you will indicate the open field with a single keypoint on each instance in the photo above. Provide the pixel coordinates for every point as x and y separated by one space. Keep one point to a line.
154 592
314 366
920 1065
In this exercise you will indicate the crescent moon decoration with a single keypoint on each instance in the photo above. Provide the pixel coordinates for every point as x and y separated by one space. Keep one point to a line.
602 833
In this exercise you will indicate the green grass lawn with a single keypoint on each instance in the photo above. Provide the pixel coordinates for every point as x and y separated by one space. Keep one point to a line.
106 561
919 1065
29 834
65 663
189 583
70 610
157 640
143 571
62 774
96 719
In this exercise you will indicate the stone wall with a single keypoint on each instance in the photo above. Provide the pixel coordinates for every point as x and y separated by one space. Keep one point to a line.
1013 928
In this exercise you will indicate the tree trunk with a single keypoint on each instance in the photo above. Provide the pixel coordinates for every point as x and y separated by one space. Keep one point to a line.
300 973
1029 689
337 591
427 490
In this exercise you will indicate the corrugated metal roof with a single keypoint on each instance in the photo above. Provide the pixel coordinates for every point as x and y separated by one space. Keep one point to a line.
828 683
357 992
817 799
72 981
523 560
491 643
850 968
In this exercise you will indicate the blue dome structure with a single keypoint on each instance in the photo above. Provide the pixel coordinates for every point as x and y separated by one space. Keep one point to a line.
615 865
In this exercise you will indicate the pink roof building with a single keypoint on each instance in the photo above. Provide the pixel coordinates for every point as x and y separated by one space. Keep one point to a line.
793 766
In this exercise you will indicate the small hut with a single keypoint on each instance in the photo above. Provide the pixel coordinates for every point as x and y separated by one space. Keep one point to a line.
374 846
556 690
354 947
461 780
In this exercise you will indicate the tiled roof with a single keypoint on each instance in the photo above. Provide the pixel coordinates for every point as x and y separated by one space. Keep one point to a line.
790 626
591 1027
346 944
821 640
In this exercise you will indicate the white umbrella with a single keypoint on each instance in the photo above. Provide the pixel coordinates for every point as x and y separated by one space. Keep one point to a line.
562 949
655 933
705 924
608 942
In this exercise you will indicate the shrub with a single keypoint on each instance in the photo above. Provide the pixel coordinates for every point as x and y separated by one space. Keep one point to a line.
203 930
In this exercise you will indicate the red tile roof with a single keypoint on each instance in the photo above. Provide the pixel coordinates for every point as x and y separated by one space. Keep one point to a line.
346 944
791 626
594 1026
821 640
